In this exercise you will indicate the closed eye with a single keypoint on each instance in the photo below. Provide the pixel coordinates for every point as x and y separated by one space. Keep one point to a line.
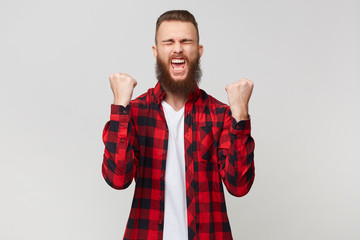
168 41
186 41
172 41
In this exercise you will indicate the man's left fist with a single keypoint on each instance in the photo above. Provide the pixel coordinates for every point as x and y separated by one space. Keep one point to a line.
239 94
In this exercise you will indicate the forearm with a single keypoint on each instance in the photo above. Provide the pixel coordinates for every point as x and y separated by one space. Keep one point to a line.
238 159
119 162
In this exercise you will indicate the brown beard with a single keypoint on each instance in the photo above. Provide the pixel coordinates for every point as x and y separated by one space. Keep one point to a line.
184 87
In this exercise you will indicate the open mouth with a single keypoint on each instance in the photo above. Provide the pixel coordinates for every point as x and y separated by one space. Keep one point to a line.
178 64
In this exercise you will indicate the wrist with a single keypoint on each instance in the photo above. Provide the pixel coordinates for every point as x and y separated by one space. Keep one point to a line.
121 102
240 115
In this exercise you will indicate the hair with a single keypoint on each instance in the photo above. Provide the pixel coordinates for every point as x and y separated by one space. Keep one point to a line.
177 15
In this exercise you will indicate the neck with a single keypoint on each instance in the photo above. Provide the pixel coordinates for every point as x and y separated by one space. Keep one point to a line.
177 102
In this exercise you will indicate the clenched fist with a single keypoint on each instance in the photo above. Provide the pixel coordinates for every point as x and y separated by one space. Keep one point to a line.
122 86
238 96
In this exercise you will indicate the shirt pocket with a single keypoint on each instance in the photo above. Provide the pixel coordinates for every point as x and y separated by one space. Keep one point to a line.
206 142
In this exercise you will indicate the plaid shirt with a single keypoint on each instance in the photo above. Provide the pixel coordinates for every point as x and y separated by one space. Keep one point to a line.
217 149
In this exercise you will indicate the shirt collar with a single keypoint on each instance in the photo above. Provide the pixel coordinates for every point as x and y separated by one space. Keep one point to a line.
159 93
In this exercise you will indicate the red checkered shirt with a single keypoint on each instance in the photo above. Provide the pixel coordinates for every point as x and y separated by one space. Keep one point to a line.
217 149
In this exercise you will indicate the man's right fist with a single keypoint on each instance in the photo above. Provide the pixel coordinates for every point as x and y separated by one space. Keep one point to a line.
122 86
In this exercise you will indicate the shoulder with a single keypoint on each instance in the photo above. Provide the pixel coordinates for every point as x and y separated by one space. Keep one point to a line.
212 109
140 106
143 98
206 99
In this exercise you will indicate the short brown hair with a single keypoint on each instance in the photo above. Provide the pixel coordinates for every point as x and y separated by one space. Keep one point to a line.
177 15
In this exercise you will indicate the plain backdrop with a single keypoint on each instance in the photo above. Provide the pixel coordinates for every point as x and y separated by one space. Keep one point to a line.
303 57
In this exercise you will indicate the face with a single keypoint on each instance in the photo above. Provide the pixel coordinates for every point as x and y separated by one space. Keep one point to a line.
177 48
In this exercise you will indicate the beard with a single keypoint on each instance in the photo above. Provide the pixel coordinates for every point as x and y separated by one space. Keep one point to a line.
182 87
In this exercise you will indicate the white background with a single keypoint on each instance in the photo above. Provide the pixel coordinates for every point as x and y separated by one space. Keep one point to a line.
303 56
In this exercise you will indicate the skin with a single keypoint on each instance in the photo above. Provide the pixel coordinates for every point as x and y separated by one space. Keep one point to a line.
176 39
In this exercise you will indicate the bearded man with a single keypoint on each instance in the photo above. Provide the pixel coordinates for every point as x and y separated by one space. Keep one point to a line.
178 143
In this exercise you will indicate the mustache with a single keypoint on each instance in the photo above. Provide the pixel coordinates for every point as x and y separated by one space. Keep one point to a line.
179 56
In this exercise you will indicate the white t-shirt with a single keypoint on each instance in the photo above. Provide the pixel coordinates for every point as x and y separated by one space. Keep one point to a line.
175 215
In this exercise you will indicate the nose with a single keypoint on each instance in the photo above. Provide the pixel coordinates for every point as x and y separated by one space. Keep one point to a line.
178 47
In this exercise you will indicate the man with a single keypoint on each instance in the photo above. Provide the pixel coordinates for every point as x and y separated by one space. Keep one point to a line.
178 143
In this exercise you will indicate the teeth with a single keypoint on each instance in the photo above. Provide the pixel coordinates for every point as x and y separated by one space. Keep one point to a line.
177 69
178 61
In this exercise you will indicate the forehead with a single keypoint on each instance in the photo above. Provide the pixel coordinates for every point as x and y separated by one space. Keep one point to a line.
176 29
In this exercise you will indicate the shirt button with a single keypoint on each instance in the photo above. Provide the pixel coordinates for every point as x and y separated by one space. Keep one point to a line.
122 141
162 174
160 222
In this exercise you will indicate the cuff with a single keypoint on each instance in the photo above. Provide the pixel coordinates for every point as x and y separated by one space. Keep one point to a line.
241 127
118 110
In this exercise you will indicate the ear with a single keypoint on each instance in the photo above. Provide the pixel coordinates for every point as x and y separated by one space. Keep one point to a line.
154 51
201 50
